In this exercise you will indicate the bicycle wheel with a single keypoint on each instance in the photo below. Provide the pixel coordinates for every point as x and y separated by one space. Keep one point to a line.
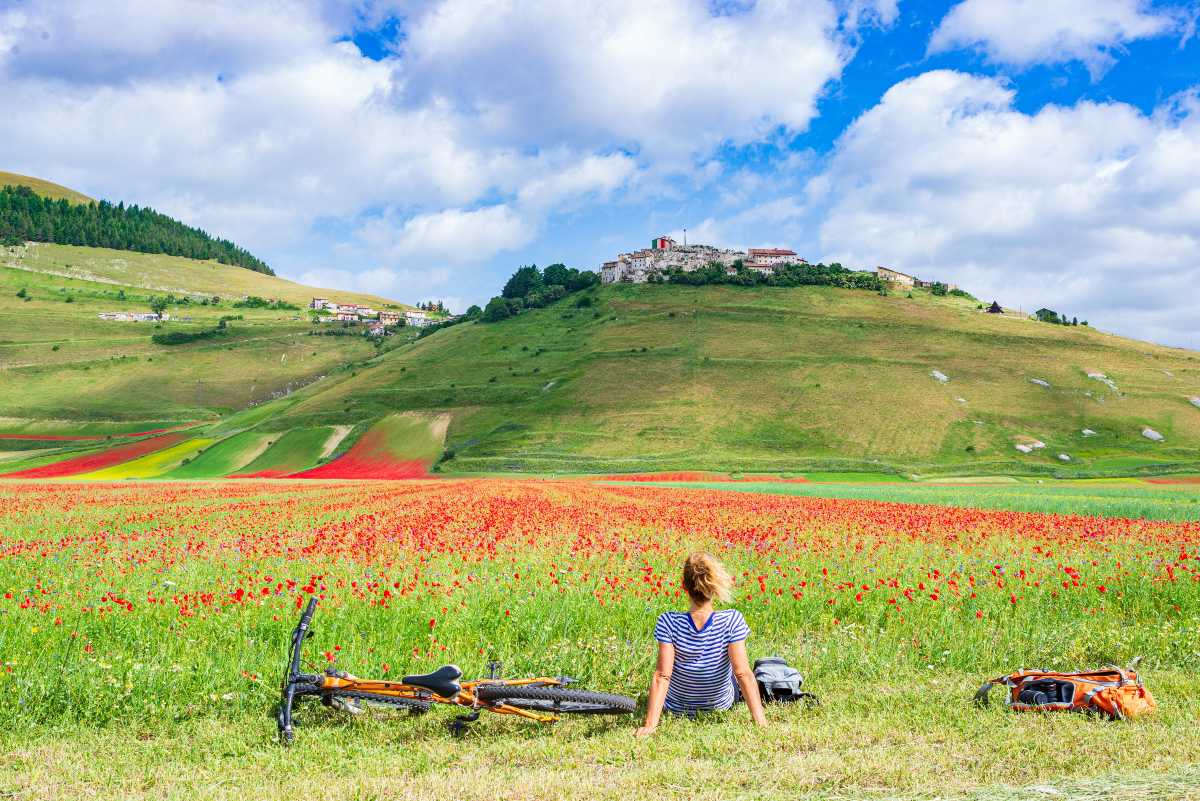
556 700
413 705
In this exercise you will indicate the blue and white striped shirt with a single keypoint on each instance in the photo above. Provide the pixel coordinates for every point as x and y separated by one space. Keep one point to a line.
703 676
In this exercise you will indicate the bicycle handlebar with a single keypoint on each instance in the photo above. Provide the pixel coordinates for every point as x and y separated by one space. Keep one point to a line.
306 618
299 635
293 677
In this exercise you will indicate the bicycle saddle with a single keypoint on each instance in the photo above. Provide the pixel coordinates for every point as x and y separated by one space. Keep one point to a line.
442 682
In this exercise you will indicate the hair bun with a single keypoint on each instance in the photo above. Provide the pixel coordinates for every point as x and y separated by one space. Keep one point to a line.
705 578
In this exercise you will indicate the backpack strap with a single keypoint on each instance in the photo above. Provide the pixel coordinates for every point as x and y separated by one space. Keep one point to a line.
981 695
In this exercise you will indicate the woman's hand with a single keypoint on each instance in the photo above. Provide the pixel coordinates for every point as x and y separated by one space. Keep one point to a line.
645 731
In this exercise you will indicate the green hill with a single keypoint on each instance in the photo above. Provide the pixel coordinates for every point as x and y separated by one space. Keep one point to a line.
43 188
779 379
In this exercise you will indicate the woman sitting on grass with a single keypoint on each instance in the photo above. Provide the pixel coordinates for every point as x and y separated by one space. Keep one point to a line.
702 651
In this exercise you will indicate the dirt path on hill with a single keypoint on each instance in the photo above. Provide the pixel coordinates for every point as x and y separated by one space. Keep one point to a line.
335 439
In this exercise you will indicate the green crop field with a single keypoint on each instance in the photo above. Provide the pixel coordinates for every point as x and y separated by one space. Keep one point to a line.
1108 499
226 457
291 451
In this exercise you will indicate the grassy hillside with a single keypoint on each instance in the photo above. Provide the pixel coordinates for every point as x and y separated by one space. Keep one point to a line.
669 377
69 365
646 378
43 188
161 274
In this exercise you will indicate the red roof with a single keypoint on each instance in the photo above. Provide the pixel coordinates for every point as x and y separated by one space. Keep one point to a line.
771 252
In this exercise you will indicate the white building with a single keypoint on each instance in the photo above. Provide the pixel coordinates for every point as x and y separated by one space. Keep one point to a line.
417 319
770 257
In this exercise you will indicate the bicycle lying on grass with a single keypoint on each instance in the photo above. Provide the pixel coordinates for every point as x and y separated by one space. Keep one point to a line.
540 699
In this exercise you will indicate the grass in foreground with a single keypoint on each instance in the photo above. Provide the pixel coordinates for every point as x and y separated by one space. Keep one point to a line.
143 628
914 737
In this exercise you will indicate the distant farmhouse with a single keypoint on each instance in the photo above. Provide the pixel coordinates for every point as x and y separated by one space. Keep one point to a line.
134 317
895 277
906 281
666 254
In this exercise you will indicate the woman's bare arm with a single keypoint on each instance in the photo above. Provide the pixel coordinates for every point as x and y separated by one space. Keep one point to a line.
745 679
658 689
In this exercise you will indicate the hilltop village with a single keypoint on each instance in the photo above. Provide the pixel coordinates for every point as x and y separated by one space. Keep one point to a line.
665 255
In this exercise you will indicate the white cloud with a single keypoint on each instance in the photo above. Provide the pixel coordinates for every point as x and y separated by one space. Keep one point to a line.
258 122
668 77
450 236
590 177
1026 32
1093 210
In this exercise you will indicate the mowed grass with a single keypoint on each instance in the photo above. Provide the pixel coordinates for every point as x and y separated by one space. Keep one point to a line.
144 664
1129 500
808 379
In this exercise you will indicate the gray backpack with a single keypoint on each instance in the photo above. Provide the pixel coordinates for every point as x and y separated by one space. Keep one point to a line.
779 682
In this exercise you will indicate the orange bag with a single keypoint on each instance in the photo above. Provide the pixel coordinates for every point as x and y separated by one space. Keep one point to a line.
1114 692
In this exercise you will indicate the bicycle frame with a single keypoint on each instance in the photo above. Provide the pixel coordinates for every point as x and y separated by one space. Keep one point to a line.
331 682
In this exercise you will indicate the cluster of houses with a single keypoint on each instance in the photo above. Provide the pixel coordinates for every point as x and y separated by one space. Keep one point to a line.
665 253
377 321
134 317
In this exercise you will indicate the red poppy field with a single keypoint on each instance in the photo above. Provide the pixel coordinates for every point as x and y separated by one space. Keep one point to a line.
133 601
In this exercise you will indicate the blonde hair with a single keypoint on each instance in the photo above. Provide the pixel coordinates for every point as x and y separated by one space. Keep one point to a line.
705 578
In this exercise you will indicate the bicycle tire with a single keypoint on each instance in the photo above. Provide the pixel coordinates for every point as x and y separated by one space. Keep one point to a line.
556 700
414 705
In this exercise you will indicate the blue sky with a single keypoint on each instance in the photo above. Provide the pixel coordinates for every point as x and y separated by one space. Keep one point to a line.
1043 153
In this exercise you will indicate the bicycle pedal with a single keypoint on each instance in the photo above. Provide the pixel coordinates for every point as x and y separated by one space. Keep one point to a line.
458 727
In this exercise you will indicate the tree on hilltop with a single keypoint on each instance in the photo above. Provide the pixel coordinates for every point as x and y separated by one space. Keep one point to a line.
523 282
